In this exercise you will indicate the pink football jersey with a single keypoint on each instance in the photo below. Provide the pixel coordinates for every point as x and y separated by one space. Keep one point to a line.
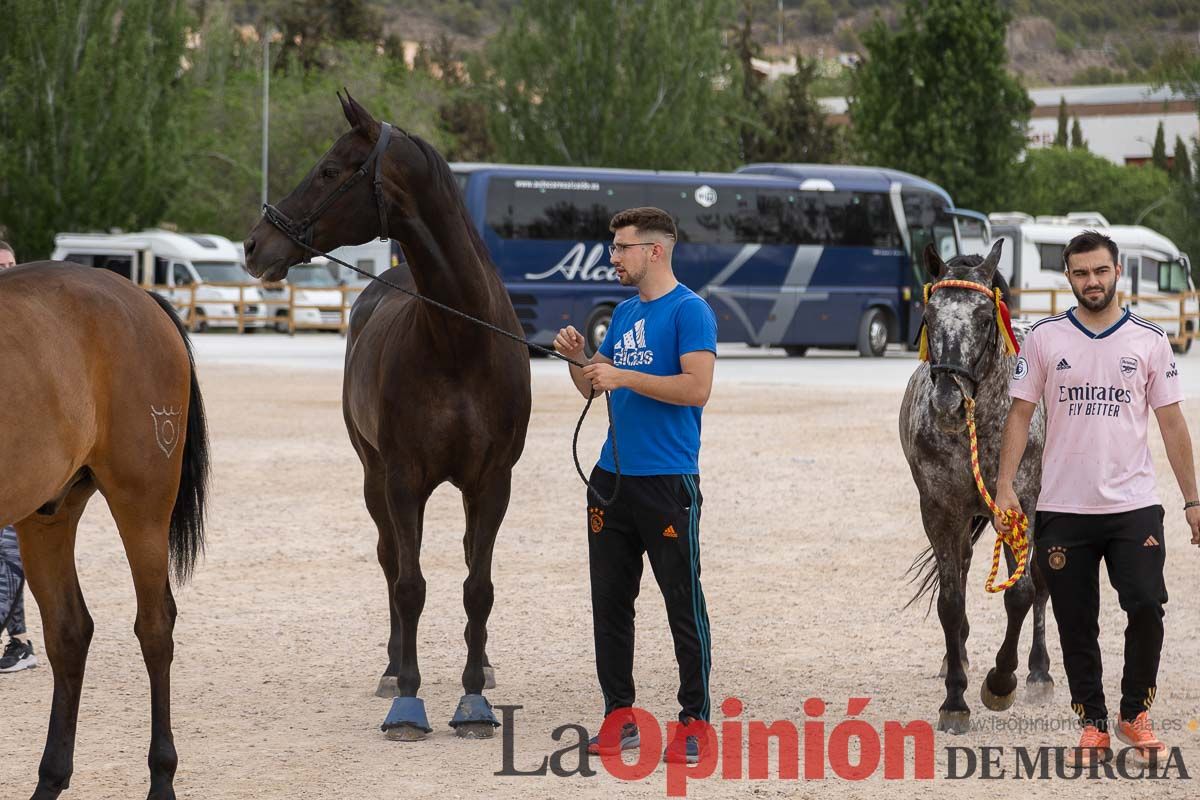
1098 389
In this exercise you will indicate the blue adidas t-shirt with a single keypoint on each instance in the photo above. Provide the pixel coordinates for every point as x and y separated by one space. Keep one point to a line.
656 438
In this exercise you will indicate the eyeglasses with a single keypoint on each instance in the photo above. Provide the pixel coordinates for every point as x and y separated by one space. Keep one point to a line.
613 249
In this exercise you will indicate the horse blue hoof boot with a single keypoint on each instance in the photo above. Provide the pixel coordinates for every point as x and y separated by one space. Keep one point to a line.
473 719
406 721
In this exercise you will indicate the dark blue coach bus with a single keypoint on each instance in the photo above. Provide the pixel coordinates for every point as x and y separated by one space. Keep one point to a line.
788 255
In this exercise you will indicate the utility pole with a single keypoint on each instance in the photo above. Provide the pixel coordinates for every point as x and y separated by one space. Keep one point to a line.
266 108
780 37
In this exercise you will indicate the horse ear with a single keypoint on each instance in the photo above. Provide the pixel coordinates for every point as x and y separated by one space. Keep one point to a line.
993 259
356 115
933 262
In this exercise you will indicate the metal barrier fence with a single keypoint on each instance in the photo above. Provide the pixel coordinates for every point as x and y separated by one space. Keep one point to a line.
256 312
1177 312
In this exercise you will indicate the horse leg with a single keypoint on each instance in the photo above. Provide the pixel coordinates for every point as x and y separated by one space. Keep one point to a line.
999 687
1039 686
143 522
946 536
375 493
48 553
965 628
489 672
485 507
407 720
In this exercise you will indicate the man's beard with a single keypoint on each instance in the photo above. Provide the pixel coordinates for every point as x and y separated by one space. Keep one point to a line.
1097 305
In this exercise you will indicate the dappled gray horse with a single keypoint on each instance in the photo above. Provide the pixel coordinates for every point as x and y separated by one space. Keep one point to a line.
967 357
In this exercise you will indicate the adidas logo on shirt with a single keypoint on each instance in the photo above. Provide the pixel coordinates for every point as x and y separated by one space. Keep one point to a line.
1062 364
1150 541
630 350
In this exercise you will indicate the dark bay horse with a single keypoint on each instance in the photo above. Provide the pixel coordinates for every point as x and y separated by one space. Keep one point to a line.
966 354
427 397
100 393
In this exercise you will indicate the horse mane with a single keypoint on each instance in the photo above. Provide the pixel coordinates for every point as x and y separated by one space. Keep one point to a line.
442 178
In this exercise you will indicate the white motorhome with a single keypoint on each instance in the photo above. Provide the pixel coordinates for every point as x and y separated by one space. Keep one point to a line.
176 264
375 257
316 297
1154 271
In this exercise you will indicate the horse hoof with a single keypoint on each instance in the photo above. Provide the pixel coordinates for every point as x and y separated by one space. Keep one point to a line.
405 733
994 701
406 721
489 678
955 722
389 686
475 730
966 662
473 719
1039 692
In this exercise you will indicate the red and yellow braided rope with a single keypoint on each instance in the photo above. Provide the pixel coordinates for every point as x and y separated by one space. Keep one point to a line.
1017 536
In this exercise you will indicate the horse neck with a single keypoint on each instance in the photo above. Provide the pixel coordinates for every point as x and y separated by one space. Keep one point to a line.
992 392
448 268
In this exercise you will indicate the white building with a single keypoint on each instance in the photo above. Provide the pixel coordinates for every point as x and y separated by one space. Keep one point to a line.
1118 121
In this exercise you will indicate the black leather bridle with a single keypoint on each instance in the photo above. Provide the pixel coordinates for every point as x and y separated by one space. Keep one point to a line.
302 231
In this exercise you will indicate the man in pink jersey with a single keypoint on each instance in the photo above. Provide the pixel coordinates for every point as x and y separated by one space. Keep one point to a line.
1099 370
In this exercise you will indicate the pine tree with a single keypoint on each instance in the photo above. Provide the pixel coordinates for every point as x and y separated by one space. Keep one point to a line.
1060 138
1077 142
1182 168
1158 156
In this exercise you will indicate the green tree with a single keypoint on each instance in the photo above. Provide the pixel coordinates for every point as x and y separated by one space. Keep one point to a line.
1158 155
796 125
89 135
1060 138
1056 180
754 129
310 28
220 108
934 98
629 83
1077 142
463 111
1181 169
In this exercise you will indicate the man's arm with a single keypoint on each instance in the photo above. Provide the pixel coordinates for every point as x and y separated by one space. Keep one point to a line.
1178 443
689 388
1012 448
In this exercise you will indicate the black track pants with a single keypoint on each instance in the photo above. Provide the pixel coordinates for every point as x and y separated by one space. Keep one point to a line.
658 515
1069 550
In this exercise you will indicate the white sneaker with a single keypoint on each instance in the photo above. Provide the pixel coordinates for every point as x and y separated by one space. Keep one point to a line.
17 656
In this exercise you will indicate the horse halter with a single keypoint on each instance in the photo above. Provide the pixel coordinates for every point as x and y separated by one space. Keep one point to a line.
1003 328
302 231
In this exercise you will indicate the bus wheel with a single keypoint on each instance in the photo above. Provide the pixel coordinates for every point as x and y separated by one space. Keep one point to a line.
872 333
795 350
201 321
596 327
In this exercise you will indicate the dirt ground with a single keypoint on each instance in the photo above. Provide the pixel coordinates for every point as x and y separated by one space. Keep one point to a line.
810 520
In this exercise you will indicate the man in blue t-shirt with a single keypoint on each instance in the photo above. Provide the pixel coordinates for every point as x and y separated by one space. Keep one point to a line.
657 360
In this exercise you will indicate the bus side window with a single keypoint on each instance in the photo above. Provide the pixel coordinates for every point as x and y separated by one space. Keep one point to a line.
694 223
1151 272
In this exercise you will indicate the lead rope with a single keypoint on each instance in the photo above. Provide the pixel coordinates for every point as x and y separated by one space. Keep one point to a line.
1016 537
612 424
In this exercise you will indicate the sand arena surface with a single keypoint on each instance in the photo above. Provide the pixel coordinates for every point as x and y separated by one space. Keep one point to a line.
810 519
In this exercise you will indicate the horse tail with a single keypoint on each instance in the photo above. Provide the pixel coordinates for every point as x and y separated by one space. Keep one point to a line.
185 541
924 569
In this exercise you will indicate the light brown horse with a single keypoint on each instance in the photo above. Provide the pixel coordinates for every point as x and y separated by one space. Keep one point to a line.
99 393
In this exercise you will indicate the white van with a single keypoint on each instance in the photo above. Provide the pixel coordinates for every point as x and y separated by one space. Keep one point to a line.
375 257
177 263
1154 270
316 297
